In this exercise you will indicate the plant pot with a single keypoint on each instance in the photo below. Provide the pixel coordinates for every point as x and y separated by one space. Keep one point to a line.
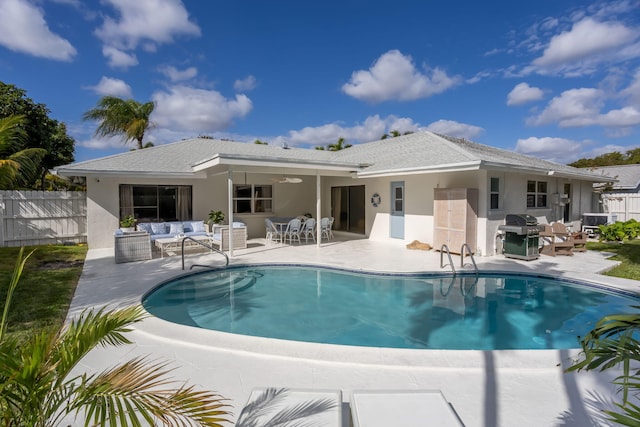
127 229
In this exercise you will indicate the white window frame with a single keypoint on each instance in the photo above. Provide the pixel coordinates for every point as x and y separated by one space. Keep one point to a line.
537 193
497 192
253 199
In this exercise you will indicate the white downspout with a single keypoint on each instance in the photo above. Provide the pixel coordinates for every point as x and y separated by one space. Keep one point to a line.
318 208
230 209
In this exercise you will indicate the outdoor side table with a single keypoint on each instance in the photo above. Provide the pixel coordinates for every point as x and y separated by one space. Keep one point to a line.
132 246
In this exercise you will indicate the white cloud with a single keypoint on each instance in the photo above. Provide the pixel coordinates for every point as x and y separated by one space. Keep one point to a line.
559 150
245 85
523 93
394 77
197 110
587 44
455 129
371 129
149 23
176 75
573 108
112 87
101 143
624 117
118 58
24 29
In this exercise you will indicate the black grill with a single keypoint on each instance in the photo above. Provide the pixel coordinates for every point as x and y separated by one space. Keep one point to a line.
520 236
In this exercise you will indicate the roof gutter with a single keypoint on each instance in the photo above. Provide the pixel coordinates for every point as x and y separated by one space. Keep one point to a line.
454 167
145 174
274 162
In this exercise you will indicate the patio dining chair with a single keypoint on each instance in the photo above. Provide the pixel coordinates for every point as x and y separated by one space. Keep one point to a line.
294 228
309 229
273 235
325 228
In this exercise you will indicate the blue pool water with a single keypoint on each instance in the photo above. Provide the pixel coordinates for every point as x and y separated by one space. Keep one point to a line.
322 305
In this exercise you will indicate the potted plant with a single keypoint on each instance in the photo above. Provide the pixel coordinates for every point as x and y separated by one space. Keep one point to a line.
128 223
215 217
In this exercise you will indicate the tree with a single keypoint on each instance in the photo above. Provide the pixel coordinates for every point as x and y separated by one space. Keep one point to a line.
631 157
41 131
18 167
127 118
339 145
258 142
37 387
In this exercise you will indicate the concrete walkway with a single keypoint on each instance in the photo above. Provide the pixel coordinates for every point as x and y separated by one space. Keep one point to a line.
486 388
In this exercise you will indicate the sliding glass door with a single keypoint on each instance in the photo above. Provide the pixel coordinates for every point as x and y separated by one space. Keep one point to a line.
347 208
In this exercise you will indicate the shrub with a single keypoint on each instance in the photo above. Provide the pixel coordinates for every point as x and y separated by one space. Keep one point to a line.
619 231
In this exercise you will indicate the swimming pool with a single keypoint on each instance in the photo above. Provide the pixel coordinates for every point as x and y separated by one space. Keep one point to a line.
332 306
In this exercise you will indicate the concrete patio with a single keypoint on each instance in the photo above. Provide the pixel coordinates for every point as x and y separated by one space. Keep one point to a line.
486 388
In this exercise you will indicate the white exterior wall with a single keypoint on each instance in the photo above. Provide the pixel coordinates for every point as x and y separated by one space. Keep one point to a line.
513 191
298 199
207 194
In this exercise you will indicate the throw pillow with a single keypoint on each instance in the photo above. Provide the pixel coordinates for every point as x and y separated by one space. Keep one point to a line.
158 228
176 228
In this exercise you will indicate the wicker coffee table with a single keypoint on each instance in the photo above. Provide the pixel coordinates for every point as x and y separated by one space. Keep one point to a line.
174 244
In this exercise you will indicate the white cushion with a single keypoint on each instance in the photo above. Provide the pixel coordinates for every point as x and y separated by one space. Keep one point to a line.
158 228
176 228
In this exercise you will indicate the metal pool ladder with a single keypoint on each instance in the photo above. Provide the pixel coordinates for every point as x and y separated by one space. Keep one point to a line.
445 248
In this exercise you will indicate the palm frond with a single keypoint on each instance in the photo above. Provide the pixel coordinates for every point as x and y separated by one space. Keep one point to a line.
137 389
94 328
261 405
301 411
12 134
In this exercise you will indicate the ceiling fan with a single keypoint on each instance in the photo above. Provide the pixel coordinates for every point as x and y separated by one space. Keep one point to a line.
287 180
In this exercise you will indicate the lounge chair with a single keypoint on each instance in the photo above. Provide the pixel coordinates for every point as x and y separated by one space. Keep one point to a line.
403 408
304 407
553 244
309 229
220 236
578 238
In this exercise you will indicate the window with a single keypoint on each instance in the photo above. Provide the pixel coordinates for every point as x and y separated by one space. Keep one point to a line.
252 198
536 194
494 193
155 203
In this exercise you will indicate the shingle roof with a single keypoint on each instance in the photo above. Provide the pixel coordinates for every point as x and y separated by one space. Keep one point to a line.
419 152
628 176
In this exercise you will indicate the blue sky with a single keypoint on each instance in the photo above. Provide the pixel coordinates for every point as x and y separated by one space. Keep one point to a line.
554 79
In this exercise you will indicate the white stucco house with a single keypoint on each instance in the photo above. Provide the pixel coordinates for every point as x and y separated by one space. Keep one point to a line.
384 189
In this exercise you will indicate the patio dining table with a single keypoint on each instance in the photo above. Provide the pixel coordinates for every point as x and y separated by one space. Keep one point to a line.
281 223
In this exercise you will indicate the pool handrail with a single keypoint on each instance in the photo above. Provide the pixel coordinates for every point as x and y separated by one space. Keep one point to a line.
444 248
208 246
462 264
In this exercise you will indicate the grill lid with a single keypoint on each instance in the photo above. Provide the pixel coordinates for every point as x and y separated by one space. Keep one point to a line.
520 220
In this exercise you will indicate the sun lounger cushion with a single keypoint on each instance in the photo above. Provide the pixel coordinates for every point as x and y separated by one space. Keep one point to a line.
405 408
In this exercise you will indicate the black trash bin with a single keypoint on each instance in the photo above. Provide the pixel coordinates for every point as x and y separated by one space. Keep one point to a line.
521 235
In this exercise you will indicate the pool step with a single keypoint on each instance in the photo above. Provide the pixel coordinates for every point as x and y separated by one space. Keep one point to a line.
209 288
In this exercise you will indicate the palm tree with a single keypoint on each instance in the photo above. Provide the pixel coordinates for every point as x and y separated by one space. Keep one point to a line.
39 388
127 118
613 342
340 145
17 166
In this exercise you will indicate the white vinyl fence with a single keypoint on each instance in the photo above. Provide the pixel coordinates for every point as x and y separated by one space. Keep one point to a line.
42 217
625 205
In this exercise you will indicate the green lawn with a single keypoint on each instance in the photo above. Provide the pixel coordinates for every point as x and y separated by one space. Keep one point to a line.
628 253
45 290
